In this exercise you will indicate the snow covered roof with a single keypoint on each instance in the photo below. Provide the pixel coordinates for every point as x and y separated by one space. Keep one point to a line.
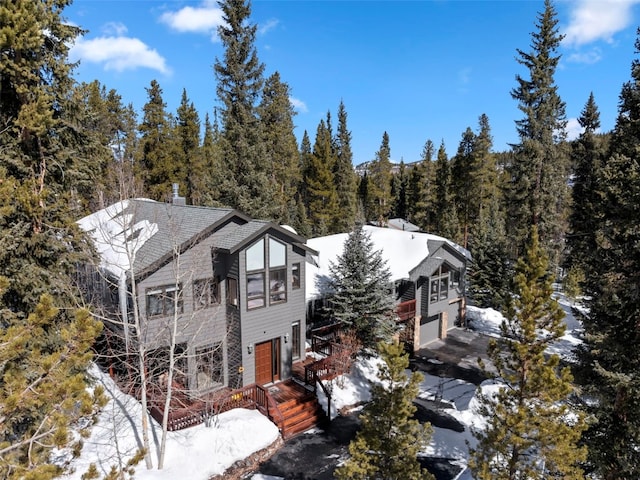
139 234
402 250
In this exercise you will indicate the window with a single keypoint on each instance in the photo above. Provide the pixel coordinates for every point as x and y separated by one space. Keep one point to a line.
455 279
255 256
295 340
259 277
277 285
255 290
439 286
295 276
161 301
205 293
209 366
232 291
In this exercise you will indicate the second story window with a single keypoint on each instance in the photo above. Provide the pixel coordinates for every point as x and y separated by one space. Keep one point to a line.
266 271
205 293
255 275
277 271
439 288
164 301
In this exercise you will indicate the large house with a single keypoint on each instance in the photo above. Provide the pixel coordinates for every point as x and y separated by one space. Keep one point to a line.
428 272
229 289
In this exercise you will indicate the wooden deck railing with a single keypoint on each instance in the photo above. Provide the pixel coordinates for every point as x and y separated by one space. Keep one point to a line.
251 397
406 310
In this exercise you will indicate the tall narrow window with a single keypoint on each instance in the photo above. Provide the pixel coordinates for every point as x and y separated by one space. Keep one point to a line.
295 276
255 275
295 340
277 271
232 291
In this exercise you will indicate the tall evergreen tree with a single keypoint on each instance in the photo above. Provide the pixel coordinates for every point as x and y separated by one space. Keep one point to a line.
421 191
388 443
491 268
399 192
587 153
361 282
321 197
539 171
276 116
463 183
610 359
156 160
45 339
189 158
344 176
379 183
445 221
211 153
531 431
240 81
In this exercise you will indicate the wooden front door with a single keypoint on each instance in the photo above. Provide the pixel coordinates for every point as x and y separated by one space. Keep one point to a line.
268 361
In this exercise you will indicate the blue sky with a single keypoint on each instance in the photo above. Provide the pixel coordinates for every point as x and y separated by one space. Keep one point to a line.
418 70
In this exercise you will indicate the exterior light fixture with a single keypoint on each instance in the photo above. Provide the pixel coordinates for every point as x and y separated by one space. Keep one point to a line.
250 348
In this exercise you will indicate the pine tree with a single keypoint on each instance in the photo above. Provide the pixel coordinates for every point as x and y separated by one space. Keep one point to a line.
610 360
157 149
446 221
587 153
399 192
276 116
539 171
321 196
463 183
344 176
379 183
240 81
45 339
421 191
193 172
491 269
361 282
531 431
211 152
390 439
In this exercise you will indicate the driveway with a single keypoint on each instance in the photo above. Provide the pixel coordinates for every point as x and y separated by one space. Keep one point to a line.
316 454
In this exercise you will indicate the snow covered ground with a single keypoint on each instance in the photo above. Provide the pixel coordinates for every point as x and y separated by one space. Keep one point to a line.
200 452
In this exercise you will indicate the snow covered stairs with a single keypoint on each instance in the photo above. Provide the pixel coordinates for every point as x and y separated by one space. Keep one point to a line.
299 408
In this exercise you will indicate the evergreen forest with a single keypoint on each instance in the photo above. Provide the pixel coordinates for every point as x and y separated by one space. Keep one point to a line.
68 149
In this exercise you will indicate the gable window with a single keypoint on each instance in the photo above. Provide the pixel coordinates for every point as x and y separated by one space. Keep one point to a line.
277 271
295 276
205 293
164 301
439 286
266 278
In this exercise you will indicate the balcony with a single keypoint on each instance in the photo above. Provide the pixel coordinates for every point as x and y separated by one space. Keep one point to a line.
406 310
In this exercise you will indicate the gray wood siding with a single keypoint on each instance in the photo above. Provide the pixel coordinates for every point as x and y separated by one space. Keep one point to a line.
272 321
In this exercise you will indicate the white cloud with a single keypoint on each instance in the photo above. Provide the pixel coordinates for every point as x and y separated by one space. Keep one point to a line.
119 54
593 20
573 129
269 25
203 19
589 57
114 28
298 105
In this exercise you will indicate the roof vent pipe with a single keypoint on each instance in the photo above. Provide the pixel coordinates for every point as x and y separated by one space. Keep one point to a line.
177 199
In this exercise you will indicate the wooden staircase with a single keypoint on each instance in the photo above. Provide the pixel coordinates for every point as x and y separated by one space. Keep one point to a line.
299 409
